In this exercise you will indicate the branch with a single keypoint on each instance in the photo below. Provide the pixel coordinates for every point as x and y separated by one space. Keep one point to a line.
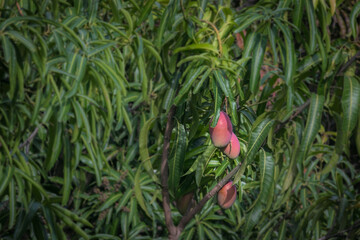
297 112
165 174
248 3
19 8
355 226
188 216
348 63
30 138
217 34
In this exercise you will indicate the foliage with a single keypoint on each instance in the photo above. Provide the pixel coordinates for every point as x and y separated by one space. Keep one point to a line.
86 87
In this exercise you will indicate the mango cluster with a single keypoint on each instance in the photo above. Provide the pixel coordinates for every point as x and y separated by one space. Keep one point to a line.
222 136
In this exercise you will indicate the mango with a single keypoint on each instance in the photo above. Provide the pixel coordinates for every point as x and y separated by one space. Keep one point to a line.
227 195
232 150
184 202
221 133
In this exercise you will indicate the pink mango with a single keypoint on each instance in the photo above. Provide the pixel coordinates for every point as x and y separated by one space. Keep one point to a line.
232 150
227 195
221 133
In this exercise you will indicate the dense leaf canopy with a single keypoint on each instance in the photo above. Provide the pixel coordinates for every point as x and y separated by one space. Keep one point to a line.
92 92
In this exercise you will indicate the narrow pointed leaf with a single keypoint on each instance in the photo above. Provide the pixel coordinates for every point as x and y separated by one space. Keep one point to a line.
191 77
177 157
19 37
199 46
312 25
143 148
256 63
202 160
138 193
350 105
312 125
257 136
353 22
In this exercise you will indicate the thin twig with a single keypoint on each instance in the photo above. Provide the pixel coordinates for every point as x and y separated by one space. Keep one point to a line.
294 115
217 34
165 175
348 63
356 225
19 8
30 138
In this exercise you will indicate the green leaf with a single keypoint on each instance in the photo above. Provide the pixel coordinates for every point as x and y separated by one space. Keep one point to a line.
350 101
217 105
251 40
198 46
6 177
66 212
12 203
143 78
272 39
110 201
253 217
353 23
125 199
138 194
13 20
290 63
259 132
79 110
266 176
267 167
19 37
100 81
163 25
191 77
177 156
22 226
127 120
247 21
71 224
67 170
100 49
291 171
350 105
312 25
145 11
80 68
130 23
331 164
13 65
143 148
118 79
68 33
257 60
298 13
312 126
221 169
32 182
152 50
201 162
220 79
54 147
202 80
